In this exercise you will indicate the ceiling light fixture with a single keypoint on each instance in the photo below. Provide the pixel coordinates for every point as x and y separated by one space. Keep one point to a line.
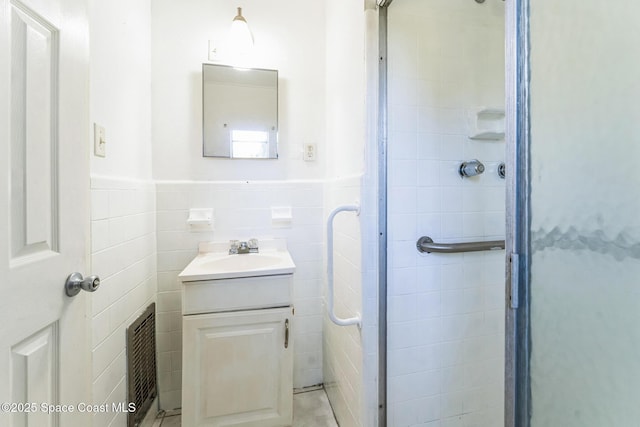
241 37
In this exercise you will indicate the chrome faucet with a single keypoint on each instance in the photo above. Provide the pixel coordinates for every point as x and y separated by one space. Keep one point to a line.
238 247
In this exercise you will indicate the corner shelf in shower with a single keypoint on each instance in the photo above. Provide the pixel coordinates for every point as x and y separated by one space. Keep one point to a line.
487 136
488 124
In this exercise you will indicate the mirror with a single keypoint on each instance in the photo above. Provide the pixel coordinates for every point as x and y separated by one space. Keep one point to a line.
240 112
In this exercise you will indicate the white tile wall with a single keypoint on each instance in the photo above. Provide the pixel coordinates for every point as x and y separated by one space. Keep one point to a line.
343 346
241 210
351 356
123 254
446 311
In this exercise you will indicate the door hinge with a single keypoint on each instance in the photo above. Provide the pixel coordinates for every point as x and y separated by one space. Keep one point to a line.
515 274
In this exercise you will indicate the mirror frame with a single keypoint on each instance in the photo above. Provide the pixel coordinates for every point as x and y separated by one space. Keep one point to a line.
273 143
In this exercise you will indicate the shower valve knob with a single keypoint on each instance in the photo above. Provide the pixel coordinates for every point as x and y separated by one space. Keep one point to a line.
502 170
471 168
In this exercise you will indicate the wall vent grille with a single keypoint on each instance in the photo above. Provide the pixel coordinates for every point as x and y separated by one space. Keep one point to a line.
142 385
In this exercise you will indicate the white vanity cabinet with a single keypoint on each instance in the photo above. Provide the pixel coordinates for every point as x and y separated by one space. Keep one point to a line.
238 368
237 330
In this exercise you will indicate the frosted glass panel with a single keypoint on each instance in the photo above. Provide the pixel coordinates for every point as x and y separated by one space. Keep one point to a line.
585 198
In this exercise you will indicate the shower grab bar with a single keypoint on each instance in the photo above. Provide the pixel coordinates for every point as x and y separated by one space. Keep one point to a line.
335 319
426 244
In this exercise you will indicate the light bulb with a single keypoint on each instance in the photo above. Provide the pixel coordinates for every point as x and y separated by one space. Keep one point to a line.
240 35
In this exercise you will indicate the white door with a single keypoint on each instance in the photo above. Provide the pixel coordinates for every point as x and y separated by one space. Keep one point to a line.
44 217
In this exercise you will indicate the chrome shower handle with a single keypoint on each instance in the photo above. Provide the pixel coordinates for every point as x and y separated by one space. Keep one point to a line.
471 168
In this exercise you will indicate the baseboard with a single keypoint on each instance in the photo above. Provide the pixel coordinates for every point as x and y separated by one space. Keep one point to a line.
308 388
152 413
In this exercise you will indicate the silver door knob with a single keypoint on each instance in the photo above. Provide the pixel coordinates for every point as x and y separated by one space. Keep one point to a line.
75 283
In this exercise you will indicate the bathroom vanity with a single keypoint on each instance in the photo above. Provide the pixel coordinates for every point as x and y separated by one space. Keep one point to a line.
237 347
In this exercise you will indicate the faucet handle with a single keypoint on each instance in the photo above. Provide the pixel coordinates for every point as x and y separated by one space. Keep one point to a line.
253 243
233 246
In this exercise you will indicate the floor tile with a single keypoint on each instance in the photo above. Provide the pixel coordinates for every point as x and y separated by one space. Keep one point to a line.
310 409
172 421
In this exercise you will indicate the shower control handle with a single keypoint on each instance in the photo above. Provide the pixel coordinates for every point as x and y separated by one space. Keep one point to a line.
76 283
471 168
502 170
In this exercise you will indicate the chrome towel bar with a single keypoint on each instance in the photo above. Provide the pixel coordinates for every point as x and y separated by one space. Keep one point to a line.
426 244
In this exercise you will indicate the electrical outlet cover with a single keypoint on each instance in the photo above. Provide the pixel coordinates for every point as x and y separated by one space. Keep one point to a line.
310 152
99 141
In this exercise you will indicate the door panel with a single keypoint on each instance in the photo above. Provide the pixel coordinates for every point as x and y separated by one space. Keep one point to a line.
34 369
34 105
585 227
44 216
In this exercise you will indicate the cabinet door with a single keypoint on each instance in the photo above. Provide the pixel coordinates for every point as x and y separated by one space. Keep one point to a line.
238 369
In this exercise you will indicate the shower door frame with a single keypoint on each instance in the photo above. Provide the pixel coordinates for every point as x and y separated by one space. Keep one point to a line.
382 210
517 246
518 214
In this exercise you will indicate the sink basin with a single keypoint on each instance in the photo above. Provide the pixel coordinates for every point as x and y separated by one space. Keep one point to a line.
245 262
217 282
213 262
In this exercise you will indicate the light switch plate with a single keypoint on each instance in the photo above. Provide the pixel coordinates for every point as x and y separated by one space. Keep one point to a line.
99 141
214 50
310 152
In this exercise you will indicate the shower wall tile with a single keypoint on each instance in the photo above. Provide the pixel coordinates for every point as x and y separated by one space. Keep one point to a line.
446 311
241 210
123 254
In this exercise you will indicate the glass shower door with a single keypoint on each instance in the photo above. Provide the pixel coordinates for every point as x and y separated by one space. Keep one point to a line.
585 213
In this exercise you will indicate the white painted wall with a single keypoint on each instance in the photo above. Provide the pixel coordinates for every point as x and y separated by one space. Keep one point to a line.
289 37
445 311
120 86
123 236
345 87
